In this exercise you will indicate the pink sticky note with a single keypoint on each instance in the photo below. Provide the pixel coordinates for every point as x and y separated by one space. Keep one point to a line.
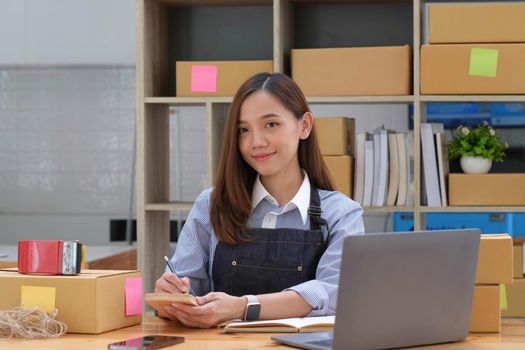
204 78
133 292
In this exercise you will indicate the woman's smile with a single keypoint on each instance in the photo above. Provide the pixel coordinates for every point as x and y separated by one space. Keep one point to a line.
263 156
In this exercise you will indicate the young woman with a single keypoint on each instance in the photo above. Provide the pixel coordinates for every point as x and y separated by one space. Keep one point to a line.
266 241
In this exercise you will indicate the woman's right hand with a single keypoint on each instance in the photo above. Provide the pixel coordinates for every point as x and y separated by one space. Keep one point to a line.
170 283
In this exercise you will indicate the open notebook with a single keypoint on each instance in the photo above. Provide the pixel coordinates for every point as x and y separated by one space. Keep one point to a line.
284 325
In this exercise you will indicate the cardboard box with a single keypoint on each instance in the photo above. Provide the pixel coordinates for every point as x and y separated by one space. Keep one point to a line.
447 69
216 78
518 261
341 169
518 240
495 259
476 23
336 136
486 189
91 302
486 313
353 71
515 299
6 264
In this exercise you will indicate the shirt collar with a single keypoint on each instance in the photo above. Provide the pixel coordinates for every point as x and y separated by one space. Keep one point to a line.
301 200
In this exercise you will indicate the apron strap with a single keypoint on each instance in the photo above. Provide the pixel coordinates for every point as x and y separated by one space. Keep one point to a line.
314 210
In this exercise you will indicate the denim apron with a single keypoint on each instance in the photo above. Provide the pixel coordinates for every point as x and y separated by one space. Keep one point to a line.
275 260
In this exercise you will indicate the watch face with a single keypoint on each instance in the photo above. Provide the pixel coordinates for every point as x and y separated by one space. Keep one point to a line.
253 312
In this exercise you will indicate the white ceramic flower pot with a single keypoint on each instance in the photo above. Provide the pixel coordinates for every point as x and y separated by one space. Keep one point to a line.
475 165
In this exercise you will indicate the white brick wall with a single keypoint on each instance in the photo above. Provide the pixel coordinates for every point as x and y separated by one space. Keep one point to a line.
66 147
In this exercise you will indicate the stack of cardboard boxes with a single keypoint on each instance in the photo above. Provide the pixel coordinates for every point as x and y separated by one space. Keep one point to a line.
476 48
516 291
494 269
336 138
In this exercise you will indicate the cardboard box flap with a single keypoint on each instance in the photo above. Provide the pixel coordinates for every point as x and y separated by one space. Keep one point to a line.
104 273
495 236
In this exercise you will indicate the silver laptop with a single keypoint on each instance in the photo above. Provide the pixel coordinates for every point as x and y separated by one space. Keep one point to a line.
401 289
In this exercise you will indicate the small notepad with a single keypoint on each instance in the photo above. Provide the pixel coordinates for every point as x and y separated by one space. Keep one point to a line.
160 300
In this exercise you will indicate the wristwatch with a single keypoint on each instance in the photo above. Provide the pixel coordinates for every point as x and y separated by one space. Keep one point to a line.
253 308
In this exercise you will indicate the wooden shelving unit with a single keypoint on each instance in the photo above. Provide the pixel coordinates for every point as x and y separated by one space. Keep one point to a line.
169 206
389 209
473 209
182 101
473 98
162 39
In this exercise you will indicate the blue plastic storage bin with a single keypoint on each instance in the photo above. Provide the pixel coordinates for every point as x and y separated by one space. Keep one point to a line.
511 223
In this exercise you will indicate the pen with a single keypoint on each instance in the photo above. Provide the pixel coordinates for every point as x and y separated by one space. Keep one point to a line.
169 264
173 272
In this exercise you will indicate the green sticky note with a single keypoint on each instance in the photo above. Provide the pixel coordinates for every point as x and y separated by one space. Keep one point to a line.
41 297
483 62
502 297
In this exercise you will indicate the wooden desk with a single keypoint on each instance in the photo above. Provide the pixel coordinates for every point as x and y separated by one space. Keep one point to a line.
511 338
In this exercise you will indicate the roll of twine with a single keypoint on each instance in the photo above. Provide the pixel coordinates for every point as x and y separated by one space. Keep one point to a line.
32 323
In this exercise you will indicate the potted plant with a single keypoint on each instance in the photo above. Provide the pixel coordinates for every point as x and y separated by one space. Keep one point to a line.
476 148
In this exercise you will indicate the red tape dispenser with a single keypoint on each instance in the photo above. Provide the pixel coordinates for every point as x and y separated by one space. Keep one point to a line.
49 257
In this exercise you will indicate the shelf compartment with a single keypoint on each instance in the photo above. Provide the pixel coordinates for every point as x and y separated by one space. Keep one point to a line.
351 24
170 206
330 24
202 31
392 209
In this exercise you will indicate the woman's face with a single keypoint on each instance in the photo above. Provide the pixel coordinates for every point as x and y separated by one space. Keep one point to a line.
269 135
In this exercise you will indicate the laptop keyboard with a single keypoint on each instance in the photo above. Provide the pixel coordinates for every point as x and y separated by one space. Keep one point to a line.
324 342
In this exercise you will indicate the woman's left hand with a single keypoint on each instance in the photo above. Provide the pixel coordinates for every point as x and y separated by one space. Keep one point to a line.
213 309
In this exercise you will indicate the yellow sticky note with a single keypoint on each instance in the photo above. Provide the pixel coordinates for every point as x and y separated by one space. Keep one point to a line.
502 297
483 62
41 297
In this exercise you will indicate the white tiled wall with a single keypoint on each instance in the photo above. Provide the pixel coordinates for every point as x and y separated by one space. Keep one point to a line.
66 151
66 139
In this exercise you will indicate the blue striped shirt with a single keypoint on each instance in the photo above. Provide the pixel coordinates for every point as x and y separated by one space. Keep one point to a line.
195 251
